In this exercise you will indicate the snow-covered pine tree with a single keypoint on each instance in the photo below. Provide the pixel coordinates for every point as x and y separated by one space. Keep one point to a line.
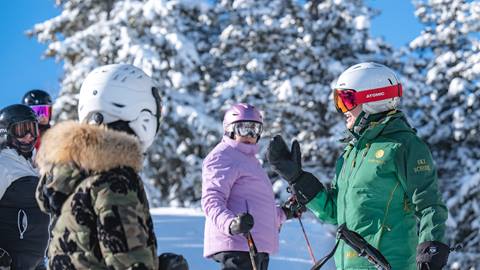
449 52
283 56
167 39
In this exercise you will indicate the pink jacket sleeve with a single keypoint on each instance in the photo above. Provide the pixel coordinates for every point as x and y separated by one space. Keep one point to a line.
218 176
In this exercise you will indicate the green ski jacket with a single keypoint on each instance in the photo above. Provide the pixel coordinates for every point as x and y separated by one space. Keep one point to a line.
385 189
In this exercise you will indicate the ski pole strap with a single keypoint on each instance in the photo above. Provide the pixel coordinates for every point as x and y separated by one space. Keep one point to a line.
324 260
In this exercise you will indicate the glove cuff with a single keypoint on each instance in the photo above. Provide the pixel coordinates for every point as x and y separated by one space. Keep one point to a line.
434 253
306 187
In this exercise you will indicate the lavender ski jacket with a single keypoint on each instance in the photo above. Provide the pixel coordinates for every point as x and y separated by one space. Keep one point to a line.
232 178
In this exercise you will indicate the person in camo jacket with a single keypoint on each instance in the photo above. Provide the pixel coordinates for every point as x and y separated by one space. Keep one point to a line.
90 183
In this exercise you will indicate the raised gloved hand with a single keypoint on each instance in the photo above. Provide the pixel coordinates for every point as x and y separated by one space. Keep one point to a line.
432 255
172 261
288 164
292 208
242 223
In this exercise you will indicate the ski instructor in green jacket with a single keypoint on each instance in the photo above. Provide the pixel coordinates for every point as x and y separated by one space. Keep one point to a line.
385 187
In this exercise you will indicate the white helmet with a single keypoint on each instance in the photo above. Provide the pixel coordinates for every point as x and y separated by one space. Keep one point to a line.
121 92
379 83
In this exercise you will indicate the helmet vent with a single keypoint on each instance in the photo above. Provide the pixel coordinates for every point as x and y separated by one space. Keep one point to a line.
96 118
118 105
124 79
116 77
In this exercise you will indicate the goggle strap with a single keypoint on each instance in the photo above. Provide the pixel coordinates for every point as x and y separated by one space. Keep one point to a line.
378 94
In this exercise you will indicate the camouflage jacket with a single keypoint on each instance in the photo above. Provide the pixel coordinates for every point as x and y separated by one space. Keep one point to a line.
91 188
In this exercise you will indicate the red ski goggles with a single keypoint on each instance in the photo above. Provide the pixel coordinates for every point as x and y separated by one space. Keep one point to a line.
348 99
42 110
21 129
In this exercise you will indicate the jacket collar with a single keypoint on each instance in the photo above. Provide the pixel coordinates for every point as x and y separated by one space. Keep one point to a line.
392 122
248 149
88 147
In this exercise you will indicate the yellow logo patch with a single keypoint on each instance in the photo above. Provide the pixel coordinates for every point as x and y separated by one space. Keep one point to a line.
380 153
351 254
422 166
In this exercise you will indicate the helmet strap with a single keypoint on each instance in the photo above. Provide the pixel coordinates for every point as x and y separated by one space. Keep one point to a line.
43 128
360 123
23 149
122 126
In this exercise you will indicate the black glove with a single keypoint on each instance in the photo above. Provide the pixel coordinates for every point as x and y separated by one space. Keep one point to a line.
288 164
172 261
432 255
5 259
242 223
292 208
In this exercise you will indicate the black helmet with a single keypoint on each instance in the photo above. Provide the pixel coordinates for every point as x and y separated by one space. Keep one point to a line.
36 97
10 119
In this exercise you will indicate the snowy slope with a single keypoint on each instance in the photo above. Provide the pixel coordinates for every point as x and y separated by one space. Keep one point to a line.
180 230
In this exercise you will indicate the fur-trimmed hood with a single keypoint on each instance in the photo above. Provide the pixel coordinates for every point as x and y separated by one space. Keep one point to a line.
90 147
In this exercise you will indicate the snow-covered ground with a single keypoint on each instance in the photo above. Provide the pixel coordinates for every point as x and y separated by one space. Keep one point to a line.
180 230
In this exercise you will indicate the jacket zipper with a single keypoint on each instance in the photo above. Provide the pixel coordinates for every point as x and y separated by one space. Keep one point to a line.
353 173
387 207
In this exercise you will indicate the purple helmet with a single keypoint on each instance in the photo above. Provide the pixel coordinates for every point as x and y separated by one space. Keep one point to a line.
241 112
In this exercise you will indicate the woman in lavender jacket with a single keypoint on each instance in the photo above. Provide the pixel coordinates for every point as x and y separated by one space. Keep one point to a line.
237 195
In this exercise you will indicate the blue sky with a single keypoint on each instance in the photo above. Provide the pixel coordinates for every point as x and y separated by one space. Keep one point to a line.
22 67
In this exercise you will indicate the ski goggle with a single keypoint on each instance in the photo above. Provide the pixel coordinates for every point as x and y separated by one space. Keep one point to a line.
21 129
248 129
348 99
42 111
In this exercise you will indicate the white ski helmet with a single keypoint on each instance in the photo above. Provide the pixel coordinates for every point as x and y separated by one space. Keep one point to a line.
121 92
378 87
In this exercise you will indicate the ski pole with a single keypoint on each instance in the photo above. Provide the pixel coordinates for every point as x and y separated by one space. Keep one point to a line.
309 246
252 248
310 250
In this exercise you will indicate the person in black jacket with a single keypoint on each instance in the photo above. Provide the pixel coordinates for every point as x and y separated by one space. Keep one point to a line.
41 103
23 227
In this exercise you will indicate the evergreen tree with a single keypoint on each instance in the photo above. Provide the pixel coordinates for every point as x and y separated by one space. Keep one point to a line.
448 48
168 40
283 57
280 55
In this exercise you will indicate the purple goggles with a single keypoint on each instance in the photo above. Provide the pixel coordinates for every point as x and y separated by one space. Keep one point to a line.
42 110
